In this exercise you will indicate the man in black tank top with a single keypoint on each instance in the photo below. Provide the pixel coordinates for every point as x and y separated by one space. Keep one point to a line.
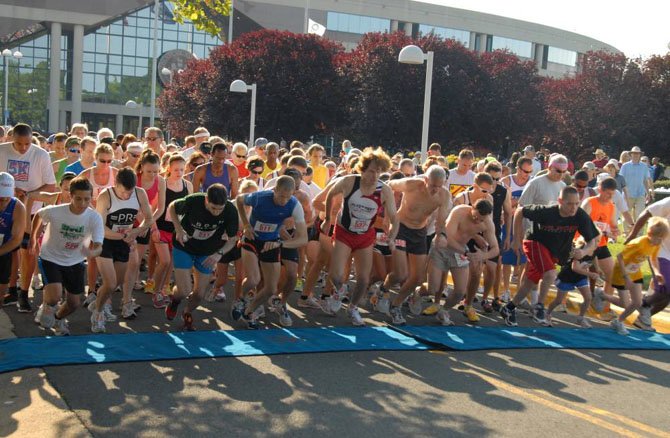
502 216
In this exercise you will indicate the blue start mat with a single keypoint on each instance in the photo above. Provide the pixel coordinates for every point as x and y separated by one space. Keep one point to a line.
20 353
497 338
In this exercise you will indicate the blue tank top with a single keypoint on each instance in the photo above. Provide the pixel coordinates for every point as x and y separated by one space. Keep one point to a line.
7 221
266 216
211 179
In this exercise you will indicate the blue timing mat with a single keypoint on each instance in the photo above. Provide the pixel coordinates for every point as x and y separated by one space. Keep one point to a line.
20 353
503 338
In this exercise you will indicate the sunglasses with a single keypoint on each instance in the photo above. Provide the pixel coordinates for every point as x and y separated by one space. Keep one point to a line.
74 151
256 172
134 155
482 190
104 161
241 156
526 171
152 138
559 170
580 186
495 179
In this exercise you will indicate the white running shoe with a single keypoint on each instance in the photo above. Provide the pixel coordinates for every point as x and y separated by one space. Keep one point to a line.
639 324
107 311
285 317
324 304
48 316
356 318
443 317
220 297
396 316
309 303
98 322
645 315
415 304
598 302
37 282
61 328
128 311
583 322
374 289
334 302
90 299
38 314
384 305
619 327
506 296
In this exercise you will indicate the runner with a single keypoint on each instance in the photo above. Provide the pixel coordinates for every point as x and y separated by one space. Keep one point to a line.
547 242
118 206
363 197
198 244
218 171
628 279
74 231
450 254
462 177
422 196
262 245
12 227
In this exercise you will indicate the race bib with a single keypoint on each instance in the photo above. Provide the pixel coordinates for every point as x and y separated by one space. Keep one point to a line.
461 260
602 226
203 234
632 268
382 239
123 229
359 225
400 243
262 227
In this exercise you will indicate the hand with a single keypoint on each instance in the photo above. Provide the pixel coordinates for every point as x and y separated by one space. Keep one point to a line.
181 236
325 227
441 241
476 256
659 279
32 246
211 261
155 235
249 232
480 241
594 275
516 247
269 246
86 251
391 245
506 244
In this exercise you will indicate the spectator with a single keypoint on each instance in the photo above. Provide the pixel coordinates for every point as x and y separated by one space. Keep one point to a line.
638 182
601 159
529 152
658 169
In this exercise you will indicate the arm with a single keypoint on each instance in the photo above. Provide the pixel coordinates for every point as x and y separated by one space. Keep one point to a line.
145 208
402 185
179 232
518 229
160 205
579 269
441 217
338 188
189 186
639 224
300 237
656 270
451 228
244 220
390 212
319 201
18 228
36 225
45 197
508 215
490 236
198 177
233 174
102 206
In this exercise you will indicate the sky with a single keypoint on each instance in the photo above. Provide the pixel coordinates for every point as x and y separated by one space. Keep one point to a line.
638 28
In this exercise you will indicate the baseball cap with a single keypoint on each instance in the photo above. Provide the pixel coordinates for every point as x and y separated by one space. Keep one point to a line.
635 150
529 148
6 185
614 163
50 140
589 165
206 147
136 146
72 141
261 141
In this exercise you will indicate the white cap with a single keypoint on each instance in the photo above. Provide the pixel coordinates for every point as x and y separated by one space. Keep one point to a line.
6 185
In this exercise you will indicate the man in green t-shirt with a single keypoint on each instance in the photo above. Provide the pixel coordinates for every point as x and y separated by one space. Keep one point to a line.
205 228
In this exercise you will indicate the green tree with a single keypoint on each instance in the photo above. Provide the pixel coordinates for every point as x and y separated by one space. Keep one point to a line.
205 15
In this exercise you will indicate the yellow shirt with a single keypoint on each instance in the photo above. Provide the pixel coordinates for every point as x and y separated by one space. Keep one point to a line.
320 176
267 170
634 254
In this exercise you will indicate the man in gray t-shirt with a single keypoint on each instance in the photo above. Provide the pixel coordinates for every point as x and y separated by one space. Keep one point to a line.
545 189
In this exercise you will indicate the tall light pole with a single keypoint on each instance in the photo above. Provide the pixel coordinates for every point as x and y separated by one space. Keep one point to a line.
230 21
132 105
414 55
239 86
6 54
154 61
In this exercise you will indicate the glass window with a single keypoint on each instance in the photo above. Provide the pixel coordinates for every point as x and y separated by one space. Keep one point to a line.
87 82
128 46
115 44
518 47
170 35
463 36
198 37
100 85
142 47
143 32
562 56
144 22
89 67
115 59
169 45
101 67
358 24
89 43
114 69
101 58
116 28
141 71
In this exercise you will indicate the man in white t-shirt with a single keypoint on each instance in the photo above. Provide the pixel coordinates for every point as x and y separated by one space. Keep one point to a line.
31 168
73 232
660 298
462 177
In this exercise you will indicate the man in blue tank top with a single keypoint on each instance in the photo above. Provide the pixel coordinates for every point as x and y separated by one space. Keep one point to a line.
217 171
12 227
261 242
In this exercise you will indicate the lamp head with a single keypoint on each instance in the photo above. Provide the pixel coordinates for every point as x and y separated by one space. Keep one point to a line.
238 86
411 55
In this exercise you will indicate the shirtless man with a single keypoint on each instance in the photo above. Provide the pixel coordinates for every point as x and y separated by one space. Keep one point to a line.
421 197
465 222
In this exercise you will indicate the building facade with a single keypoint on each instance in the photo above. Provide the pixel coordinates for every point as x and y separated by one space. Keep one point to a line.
83 62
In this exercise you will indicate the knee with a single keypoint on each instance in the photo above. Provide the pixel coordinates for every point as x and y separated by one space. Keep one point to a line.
549 276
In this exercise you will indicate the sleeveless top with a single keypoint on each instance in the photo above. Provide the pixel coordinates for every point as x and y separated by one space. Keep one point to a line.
98 188
7 221
516 189
602 215
499 195
152 191
211 179
359 211
266 216
164 223
122 212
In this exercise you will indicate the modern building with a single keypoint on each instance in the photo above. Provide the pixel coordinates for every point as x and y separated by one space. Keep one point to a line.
83 61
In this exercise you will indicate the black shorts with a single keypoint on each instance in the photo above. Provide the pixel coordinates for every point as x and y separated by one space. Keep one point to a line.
317 225
232 255
144 240
256 246
601 253
411 240
117 250
71 277
312 233
5 267
620 287
290 255
429 240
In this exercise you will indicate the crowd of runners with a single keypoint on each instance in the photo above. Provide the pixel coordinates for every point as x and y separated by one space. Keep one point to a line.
82 214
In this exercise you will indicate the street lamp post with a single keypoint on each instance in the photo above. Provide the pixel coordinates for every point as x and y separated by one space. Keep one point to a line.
414 55
132 105
239 86
6 54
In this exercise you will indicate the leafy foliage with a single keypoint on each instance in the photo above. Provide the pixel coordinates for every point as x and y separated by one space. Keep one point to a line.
204 14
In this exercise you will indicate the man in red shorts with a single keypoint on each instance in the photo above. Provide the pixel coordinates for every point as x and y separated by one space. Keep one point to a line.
548 242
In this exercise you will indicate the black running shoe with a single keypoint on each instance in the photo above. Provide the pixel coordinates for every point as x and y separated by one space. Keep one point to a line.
10 298
23 303
509 315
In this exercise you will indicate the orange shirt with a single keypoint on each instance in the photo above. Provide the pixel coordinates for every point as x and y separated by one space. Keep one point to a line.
602 216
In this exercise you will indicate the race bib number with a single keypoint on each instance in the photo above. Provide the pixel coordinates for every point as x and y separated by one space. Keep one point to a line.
262 227
203 234
602 226
632 268
123 229
400 243
382 239
461 260
359 225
